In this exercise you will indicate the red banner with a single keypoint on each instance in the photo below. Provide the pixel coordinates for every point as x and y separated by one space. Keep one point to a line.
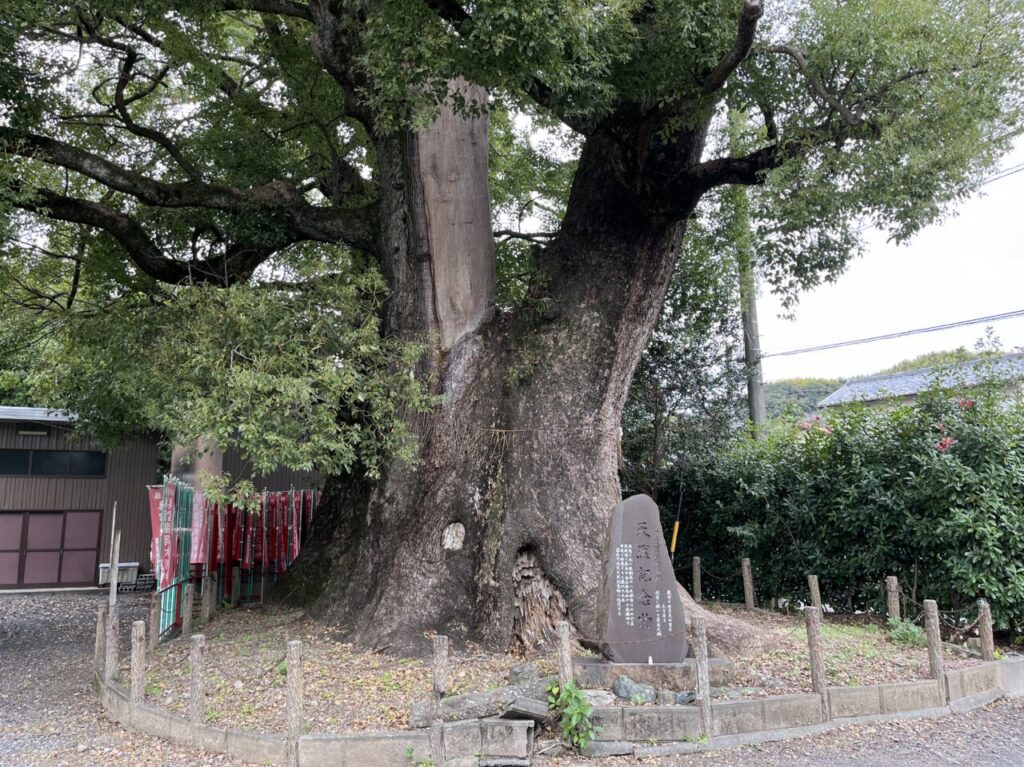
167 548
251 521
296 526
237 515
259 523
200 529
282 531
155 492
307 508
270 528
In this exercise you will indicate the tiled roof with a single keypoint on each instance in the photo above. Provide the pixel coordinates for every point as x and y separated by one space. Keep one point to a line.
911 382
37 414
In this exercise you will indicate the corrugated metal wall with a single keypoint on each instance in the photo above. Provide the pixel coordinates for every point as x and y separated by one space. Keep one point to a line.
129 469
279 479
214 461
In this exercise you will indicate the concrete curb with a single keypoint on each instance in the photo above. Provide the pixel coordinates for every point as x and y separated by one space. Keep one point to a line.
671 730
636 730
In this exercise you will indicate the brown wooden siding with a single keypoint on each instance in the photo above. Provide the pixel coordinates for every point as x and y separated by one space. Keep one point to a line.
279 479
129 469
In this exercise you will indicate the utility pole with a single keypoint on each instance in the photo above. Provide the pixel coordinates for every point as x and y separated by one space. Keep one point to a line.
742 241
751 339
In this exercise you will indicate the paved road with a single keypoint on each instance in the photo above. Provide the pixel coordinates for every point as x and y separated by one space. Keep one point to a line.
48 715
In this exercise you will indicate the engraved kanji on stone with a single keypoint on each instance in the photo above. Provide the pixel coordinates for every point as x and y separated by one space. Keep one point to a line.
640 604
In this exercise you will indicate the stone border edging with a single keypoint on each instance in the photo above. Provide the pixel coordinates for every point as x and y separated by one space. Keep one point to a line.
662 730
625 729
471 742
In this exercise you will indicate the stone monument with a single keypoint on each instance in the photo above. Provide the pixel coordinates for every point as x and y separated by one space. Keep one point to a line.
640 613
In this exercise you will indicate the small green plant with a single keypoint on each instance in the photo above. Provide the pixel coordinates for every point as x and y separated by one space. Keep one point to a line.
636 699
696 739
576 715
410 754
282 668
248 710
388 682
213 715
906 632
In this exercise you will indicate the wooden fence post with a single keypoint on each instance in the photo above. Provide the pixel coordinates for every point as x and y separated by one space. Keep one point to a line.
892 597
295 719
988 645
100 649
111 645
812 585
748 584
696 579
812 617
154 621
138 688
197 687
440 666
187 597
700 650
931 630
565 673
206 598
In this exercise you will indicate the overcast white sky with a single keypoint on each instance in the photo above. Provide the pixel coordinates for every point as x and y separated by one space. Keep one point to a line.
967 266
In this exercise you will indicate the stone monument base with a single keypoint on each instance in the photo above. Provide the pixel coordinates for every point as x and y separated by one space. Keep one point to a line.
598 673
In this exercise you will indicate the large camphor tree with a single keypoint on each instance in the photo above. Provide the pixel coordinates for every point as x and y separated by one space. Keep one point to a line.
273 222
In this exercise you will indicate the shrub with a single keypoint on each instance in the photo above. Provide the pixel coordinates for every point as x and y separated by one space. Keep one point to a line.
577 716
906 632
932 492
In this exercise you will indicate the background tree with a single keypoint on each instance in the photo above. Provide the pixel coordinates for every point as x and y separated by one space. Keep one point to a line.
249 151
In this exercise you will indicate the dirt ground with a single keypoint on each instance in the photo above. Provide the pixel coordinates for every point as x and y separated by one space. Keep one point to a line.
48 715
348 691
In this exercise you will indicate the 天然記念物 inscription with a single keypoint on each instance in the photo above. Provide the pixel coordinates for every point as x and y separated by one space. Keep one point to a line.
640 614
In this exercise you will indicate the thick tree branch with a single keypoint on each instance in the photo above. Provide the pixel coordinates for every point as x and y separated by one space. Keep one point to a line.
121 105
543 95
535 237
449 10
539 91
279 7
817 87
750 13
356 227
237 263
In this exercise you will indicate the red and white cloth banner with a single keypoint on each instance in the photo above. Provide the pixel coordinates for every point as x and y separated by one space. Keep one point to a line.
296 498
168 544
200 529
282 531
156 494
307 508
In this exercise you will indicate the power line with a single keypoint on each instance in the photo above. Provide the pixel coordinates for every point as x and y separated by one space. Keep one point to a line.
900 334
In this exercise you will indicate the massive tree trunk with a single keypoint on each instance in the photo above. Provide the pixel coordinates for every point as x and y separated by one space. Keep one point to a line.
499 529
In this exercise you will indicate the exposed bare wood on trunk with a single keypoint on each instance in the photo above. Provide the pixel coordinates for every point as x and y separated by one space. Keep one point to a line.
452 156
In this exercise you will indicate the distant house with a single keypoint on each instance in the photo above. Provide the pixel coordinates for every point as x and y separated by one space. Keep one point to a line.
57 493
905 386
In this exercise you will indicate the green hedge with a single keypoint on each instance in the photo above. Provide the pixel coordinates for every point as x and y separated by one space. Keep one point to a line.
932 492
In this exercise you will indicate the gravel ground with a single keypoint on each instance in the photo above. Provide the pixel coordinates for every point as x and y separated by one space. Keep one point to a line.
48 715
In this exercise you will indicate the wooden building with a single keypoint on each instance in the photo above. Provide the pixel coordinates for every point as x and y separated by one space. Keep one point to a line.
57 493
206 458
